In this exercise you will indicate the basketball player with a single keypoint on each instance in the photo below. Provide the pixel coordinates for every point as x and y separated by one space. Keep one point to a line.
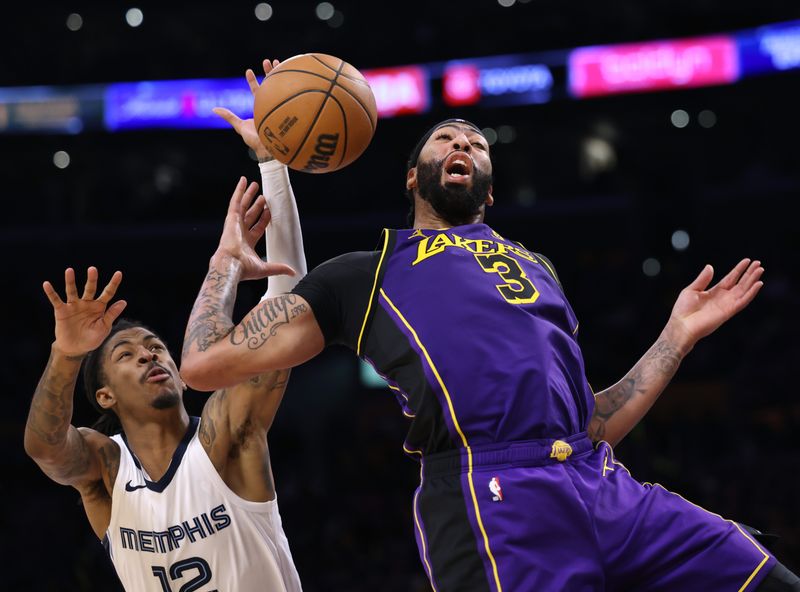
520 489
179 502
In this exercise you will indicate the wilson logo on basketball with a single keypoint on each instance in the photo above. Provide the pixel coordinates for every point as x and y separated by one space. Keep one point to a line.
323 150
274 142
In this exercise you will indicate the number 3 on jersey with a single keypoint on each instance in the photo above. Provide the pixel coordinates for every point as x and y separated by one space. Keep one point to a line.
518 289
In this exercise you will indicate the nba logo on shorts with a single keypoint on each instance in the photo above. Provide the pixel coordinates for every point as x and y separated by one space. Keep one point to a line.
497 491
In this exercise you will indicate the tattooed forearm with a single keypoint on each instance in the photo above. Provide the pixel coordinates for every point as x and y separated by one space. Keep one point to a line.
51 408
210 319
608 402
635 393
263 322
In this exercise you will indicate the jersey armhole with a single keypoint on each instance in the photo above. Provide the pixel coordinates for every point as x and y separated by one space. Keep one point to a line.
388 237
548 265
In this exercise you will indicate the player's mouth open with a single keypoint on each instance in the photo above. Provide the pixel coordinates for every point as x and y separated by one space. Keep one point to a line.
458 167
157 374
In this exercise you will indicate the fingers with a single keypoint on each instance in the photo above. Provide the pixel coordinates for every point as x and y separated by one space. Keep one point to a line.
752 275
271 269
249 195
256 230
228 116
111 288
255 211
114 311
269 65
252 81
91 283
236 198
69 282
701 282
51 294
750 283
750 294
734 274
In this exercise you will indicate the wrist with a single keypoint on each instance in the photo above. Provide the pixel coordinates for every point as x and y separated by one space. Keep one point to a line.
678 337
263 156
223 260
61 354
269 166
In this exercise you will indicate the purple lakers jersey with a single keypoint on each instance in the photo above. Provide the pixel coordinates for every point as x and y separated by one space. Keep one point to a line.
485 346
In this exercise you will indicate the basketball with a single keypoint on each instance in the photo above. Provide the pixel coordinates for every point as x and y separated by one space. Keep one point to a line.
315 113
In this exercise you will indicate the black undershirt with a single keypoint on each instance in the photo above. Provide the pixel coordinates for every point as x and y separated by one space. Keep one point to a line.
338 292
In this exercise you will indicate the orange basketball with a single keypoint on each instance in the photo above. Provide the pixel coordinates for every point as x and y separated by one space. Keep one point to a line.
315 113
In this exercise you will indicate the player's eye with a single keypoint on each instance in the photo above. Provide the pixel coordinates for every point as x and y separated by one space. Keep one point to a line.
123 355
156 347
444 136
480 145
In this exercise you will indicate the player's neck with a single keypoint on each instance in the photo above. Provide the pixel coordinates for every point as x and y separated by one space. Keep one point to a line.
154 439
425 217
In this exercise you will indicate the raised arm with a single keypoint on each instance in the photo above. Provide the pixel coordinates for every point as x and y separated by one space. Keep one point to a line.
284 237
697 313
279 332
68 455
216 353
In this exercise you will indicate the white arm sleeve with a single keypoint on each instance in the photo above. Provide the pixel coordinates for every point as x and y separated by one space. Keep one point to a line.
284 237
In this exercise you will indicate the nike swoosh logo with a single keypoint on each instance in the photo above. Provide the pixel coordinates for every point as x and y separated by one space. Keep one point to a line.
129 487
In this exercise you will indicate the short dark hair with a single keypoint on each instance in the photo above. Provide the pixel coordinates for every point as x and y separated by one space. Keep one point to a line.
94 379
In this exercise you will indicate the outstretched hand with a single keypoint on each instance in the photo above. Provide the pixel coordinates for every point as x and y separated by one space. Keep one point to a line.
246 128
245 224
83 322
700 311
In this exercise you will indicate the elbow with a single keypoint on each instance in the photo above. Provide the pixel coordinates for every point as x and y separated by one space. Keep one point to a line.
199 376
35 448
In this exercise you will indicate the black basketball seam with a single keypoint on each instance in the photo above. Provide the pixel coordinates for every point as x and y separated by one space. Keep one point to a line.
363 106
303 71
316 117
344 119
353 78
271 111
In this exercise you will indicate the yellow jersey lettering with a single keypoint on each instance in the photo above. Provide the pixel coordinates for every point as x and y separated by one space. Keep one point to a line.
433 245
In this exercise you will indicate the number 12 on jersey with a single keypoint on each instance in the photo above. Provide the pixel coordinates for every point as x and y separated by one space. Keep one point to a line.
176 571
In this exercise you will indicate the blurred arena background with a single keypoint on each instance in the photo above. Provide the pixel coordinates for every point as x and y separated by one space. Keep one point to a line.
628 193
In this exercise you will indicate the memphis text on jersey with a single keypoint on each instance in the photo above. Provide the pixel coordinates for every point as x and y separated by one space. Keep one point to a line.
187 531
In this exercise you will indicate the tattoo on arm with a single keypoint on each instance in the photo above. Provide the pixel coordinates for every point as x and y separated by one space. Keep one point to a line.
607 403
653 371
263 323
109 457
51 408
210 319
211 414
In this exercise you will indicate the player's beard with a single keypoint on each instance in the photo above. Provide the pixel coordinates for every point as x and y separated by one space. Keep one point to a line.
457 204
166 400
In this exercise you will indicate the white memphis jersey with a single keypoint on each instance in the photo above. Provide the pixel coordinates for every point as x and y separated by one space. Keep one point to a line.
188 532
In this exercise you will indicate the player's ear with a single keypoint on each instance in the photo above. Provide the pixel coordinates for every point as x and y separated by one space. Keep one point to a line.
411 179
489 201
105 398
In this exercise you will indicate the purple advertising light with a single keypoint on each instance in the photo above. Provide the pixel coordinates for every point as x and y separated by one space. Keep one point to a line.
175 103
